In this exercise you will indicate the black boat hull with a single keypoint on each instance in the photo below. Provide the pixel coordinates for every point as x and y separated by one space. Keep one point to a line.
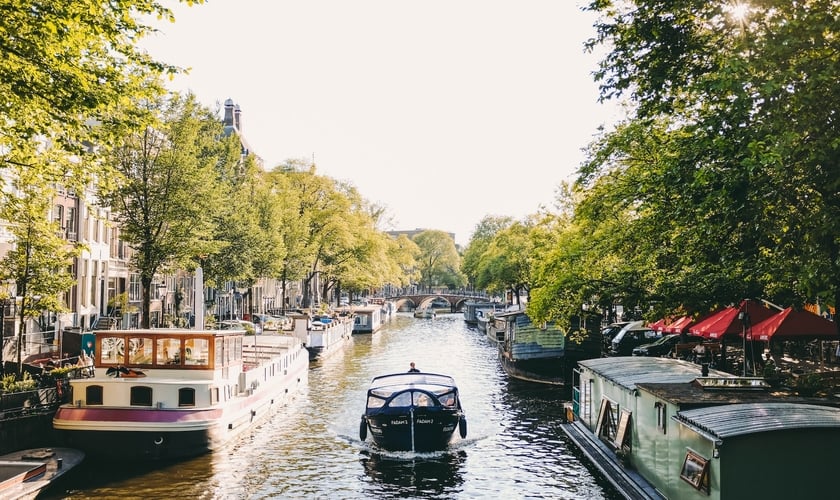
418 430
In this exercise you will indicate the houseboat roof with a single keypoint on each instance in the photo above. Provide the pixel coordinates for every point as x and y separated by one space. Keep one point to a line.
749 418
629 371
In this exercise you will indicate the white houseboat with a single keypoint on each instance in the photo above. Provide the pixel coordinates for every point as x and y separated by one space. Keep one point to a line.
323 335
168 393
368 319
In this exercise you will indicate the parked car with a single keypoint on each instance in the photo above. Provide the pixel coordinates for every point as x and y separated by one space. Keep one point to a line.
240 324
632 335
610 331
665 345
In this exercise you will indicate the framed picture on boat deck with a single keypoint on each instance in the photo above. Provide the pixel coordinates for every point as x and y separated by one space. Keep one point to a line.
695 471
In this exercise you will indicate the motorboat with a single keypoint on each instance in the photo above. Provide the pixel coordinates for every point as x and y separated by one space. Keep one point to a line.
412 411
424 312
176 393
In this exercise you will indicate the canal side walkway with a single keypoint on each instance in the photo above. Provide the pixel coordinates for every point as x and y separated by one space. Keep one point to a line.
627 482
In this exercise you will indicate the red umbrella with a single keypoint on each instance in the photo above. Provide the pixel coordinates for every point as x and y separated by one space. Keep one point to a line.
791 324
658 325
726 321
680 325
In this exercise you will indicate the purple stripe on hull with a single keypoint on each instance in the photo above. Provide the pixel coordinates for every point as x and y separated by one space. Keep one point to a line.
145 415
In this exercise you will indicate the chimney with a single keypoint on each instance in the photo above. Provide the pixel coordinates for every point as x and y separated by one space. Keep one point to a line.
229 114
237 118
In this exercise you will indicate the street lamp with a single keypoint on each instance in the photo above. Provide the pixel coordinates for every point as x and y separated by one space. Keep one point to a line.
744 316
162 295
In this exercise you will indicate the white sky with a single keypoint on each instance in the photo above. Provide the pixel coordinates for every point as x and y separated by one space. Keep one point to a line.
442 111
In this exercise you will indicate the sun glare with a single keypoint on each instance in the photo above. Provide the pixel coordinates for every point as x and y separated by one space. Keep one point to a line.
739 11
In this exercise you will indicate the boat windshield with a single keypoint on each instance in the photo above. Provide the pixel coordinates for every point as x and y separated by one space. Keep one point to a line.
407 398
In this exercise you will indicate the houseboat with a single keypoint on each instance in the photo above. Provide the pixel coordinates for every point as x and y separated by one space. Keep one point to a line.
542 353
368 319
412 411
172 393
321 335
667 428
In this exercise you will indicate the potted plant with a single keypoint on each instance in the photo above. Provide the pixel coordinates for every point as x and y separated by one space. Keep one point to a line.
808 384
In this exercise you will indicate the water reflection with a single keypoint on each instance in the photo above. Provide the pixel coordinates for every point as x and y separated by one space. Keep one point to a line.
414 474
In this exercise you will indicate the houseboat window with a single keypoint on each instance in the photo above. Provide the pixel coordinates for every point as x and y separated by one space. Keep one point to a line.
229 350
112 351
186 396
214 395
140 350
93 395
220 351
621 433
607 420
695 471
661 416
402 399
168 351
141 396
196 352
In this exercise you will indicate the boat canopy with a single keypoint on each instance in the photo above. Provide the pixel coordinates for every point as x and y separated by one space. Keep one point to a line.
390 384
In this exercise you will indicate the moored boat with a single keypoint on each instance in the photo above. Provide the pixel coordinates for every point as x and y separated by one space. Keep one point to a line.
425 312
543 353
323 336
413 411
169 393
368 319
24 474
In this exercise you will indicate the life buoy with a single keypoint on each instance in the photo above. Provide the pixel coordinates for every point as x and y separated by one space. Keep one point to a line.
363 429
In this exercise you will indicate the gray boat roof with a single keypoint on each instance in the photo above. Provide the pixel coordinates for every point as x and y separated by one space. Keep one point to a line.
628 371
749 418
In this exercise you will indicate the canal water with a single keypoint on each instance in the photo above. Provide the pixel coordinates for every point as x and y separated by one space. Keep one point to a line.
514 448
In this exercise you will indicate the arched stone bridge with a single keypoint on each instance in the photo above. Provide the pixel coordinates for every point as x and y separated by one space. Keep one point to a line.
420 300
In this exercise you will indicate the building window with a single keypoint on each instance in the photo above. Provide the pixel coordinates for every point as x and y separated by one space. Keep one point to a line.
134 288
141 396
93 395
186 396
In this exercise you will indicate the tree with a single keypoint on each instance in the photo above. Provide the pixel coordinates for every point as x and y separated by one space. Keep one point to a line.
438 262
480 239
65 66
733 113
506 263
40 260
170 188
